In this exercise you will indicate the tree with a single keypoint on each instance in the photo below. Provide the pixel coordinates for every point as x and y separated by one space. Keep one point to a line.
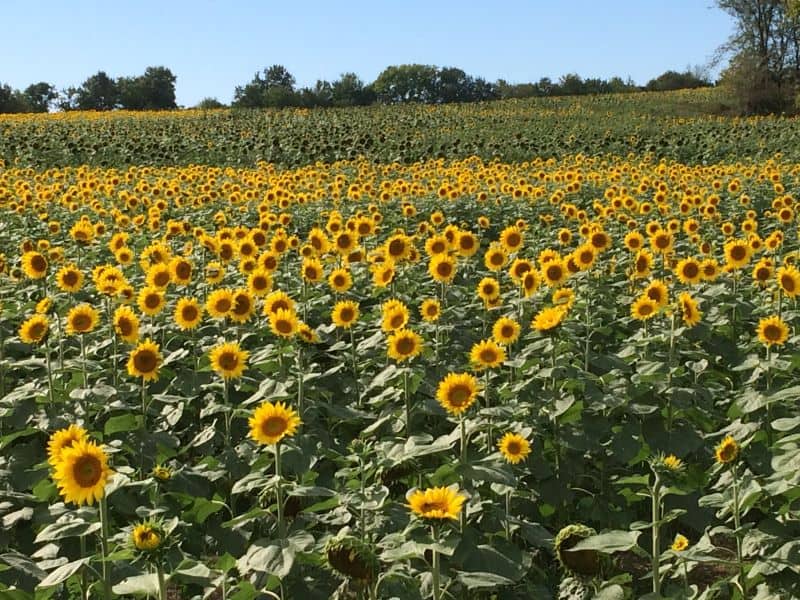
155 90
672 80
11 100
98 92
349 90
274 86
764 69
40 96
406 83
209 104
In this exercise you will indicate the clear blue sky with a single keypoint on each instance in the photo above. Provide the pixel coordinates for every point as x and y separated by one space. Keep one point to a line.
214 45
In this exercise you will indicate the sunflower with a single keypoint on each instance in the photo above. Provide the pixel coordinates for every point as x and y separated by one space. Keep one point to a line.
564 298
727 451
518 268
442 268
34 265
680 543
404 344
340 280
514 447
144 361
691 314
763 271
395 315
242 308
487 354
126 324
548 318
436 503
188 313
467 244
147 537
259 282
383 274
34 330
457 392
430 310
345 313
661 242
658 292
710 269
634 241
215 272
688 271
789 281
642 264
277 300
488 289
644 308
283 323
82 472
505 331
270 423
531 282
311 270
436 244
584 256
158 276
62 439
773 331
69 278
554 272
398 247
737 253
511 238
82 319
180 270
307 334
495 258
151 301
219 303
228 359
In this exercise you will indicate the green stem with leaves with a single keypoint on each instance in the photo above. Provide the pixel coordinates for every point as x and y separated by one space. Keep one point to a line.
655 495
737 531
279 492
435 568
407 400
104 535
354 355
162 583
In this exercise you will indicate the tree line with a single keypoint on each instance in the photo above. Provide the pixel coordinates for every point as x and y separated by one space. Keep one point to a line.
276 87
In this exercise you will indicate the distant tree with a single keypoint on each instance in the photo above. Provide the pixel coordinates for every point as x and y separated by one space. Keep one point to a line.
67 99
209 104
349 90
274 86
453 85
406 83
571 84
11 100
672 80
98 92
40 96
155 90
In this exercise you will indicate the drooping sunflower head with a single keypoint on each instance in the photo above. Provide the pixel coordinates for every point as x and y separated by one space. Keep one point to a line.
352 558
487 354
82 319
145 360
514 447
82 472
579 562
64 438
228 360
457 392
271 423
549 318
436 503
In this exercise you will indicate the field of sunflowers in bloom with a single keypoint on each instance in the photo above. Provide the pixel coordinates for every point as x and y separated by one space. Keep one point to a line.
571 377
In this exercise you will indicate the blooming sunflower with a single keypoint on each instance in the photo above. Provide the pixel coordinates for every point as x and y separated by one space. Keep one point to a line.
151 301
644 308
487 354
488 289
144 361
383 274
530 282
430 310
126 324
277 300
518 268
62 439
69 279
467 244
691 314
158 276
584 256
727 451
180 271
495 257
82 319
340 280
642 264
737 253
505 331
259 282
773 331
243 307
548 318
436 244
404 344
511 238
680 543
345 313
457 392
34 329
688 271
219 303
283 323
82 472
311 270
789 281
442 268
436 503
229 360
514 447
188 313
658 292
270 423
554 272
394 315
34 265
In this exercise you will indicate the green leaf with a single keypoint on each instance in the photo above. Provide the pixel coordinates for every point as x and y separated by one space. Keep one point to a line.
63 572
66 526
120 423
138 585
479 580
609 542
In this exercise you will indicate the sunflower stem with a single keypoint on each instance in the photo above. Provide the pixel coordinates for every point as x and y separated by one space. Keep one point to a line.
490 432
355 365
104 534
162 583
84 571
655 494
508 515
227 402
300 372
768 374
279 492
83 361
407 402
669 370
737 531
437 592
49 372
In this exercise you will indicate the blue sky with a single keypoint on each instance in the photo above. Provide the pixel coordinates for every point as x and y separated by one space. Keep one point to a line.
214 45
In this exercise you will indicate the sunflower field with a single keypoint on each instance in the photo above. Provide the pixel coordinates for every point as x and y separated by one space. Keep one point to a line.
569 377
